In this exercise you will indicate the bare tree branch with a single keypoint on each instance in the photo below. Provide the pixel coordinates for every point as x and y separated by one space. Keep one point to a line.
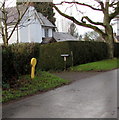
79 4
92 22
115 13
17 23
113 3
80 23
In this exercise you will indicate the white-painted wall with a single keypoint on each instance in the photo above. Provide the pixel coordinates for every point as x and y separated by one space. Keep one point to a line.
13 38
30 30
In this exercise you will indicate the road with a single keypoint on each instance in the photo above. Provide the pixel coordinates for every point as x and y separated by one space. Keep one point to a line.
90 97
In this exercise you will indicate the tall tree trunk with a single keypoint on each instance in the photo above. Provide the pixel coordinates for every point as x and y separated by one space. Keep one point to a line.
4 37
109 38
110 45
110 41
4 27
6 42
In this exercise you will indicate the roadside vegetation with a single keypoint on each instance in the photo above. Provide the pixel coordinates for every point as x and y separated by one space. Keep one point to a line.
103 65
25 86
16 82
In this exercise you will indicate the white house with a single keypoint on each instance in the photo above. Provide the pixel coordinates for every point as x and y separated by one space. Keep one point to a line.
33 27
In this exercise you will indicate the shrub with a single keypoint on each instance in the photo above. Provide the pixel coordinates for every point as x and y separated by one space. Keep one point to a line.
16 60
83 52
116 50
7 65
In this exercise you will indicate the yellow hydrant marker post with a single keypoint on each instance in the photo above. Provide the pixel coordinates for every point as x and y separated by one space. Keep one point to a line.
33 63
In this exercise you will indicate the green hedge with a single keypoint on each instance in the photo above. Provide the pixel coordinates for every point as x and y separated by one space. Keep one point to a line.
116 50
16 60
50 56
83 52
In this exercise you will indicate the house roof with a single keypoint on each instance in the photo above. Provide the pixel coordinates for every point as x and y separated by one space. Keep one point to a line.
62 36
45 21
13 16
12 13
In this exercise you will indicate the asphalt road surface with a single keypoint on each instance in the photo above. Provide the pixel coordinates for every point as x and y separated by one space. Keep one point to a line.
90 97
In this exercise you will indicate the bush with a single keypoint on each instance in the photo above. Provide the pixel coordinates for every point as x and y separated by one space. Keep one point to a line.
83 52
7 65
116 50
16 60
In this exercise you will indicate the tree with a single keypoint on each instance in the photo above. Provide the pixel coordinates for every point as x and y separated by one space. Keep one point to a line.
46 9
72 30
109 9
93 36
80 37
87 37
5 21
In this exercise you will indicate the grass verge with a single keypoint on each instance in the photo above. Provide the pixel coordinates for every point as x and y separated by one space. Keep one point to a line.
43 81
103 65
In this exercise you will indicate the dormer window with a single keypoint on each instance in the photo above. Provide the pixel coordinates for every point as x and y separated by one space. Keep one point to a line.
46 32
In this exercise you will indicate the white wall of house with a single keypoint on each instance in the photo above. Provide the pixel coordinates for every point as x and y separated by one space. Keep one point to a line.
31 30
13 38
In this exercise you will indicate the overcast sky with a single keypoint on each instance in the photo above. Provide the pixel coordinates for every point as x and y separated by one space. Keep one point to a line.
94 15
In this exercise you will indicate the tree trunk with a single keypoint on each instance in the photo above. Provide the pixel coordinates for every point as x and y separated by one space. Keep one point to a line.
4 37
110 45
6 43
109 38
110 41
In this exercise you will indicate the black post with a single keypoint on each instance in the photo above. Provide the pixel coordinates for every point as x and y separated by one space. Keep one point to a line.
72 58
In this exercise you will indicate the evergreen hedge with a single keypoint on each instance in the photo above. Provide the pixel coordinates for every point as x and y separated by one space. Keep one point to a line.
83 52
16 58
116 50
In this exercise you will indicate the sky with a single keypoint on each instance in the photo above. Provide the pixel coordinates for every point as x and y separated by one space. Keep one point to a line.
62 23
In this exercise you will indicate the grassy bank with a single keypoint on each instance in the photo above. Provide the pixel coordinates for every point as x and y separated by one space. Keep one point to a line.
103 65
43 81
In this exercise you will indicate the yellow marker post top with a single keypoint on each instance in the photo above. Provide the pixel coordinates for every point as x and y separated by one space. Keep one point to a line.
33 61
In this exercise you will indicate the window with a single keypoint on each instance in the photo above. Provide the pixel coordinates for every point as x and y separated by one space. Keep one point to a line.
29 19
46 32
